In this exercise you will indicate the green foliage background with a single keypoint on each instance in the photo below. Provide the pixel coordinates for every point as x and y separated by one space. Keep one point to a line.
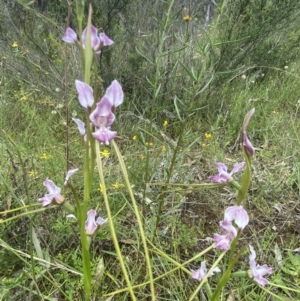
247 56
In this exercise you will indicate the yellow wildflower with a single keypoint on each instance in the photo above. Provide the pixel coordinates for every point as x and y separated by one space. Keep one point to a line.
165 123
100 188
187 18
164 149
105 153
207 135
14 44
142 156
203 144
117 185
45 156
149 143
32 173
134 137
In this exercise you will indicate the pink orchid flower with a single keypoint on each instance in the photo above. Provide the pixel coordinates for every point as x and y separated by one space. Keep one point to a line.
257 271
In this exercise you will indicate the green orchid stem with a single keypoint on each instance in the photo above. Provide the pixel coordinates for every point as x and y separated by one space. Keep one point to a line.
236 185
239 274
68 207
245 181
111 224
231 262
208 289
138 218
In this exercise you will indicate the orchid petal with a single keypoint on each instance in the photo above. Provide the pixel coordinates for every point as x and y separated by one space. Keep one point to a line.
222 242
45 201
238 214
102 114
115 93
237 167
70 173
104 135
80 125
70 36
90 223
95 40
101 221
200 273
105 40
248 147
85 94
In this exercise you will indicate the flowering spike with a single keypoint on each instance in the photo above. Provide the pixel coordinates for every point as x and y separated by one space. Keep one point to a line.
115 93
85 94
70 36
257 271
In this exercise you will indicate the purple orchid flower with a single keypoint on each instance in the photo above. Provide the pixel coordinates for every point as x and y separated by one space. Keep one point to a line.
105 40
201 273
238 214
102 117
85 94
224 176
93 222
97 41
257 271
53 196
229 232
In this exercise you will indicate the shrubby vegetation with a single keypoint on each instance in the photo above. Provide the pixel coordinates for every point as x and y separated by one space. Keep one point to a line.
190 72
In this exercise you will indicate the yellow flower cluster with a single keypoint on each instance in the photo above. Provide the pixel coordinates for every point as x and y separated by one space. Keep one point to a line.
45 156
32 173
187 18
105 153
207 135
14 44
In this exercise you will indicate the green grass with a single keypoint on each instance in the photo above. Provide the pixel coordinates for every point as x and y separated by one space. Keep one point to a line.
33 147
